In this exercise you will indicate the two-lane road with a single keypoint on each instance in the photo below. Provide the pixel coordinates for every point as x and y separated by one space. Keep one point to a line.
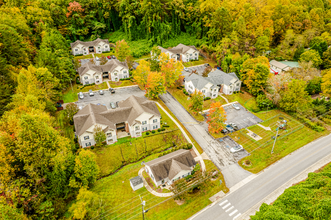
241 200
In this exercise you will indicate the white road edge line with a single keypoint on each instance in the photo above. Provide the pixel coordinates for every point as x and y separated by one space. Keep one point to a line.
232 213
236 216
224 207
229 208
223 202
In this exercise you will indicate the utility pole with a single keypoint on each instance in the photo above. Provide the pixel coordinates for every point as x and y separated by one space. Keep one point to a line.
272 150
71 85
143 203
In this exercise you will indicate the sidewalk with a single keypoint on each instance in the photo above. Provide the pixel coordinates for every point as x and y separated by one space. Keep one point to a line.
203 166
140 173
220 94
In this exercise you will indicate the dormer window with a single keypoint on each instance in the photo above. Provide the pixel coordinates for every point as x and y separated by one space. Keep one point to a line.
76 49
106 46
84 49
85 77
137 128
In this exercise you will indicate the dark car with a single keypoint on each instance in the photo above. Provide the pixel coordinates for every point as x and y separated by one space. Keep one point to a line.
207 64
224 131
112 105
117 103
229 128
111 90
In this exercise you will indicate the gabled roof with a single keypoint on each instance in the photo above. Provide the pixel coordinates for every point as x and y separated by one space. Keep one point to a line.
89 43
179 49
219 77
277 64
108 67
199 82
136 181
171 164
128 111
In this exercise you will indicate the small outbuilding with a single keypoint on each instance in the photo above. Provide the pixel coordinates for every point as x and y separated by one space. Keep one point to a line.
136 183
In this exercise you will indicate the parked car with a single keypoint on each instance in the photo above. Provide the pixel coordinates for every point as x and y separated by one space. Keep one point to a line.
79 61
224 131
111 90
236 106
101 92
90 92
112 105
113 57
109 57
236 148
207 64
229 128
234 126
97 58
117 103
186 69
81 95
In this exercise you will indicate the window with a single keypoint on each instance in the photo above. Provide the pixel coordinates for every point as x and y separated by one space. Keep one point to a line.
231 87
203 91
144 122
124 71
215 90
145 129
196 54
86 137
96 77
106 46
88 144
137 128
152 176
84 49
85 77
190 55
137 133
155 127
115 74
125 76
110 140
191 87
214 95
154 120
76 49
238 84
108 134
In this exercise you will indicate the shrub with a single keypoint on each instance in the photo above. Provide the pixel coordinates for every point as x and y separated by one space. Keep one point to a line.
263 102
310 124
207 98
153 131
92 147
162 129
159 130
166 125
147 133
189 146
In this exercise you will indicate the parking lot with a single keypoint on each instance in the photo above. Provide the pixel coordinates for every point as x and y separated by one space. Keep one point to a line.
242 117
228 142
119 95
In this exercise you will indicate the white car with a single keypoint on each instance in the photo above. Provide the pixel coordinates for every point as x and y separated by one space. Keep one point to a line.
236 149
97 58
186 69
90 92
236 106
81 95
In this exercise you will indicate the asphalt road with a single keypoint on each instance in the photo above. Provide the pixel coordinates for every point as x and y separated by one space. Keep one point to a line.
219 155
241 200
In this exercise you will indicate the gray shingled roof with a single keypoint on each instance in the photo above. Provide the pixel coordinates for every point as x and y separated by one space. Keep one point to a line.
199 82
171 164
219 77
128 111
136 181
89 43
108 67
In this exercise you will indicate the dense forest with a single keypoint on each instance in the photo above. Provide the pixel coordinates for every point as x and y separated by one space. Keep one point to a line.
309 199
42 169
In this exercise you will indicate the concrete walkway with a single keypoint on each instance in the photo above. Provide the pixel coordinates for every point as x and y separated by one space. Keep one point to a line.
220 94
140 173
202 163
264 127
108 84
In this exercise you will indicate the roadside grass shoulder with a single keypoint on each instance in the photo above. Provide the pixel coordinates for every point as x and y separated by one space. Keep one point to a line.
124 203
198 147
70 95
121 83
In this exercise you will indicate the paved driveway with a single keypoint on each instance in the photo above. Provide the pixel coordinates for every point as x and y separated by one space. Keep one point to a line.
199 70
220 155
119 95
242 118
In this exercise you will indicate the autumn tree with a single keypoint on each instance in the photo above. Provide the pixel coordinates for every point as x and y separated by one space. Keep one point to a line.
86 170
70 110
92 61
196 102
103 60
129 60
216 117
180 81
255 74
206 71
295 97
99 135
155 53
171 71
155 85
262 44
141 73
122 50
326 82
311 55
77 64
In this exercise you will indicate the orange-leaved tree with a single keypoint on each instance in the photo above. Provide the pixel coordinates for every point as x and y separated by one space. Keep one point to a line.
155 85
171 71
216 117
141 73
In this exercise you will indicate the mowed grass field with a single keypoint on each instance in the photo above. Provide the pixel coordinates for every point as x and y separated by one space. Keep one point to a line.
124 203
295 136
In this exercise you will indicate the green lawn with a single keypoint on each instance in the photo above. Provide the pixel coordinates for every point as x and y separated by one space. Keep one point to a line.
121 83
293 138
199 62
124 203
185 102
70 95
84 57
246 100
